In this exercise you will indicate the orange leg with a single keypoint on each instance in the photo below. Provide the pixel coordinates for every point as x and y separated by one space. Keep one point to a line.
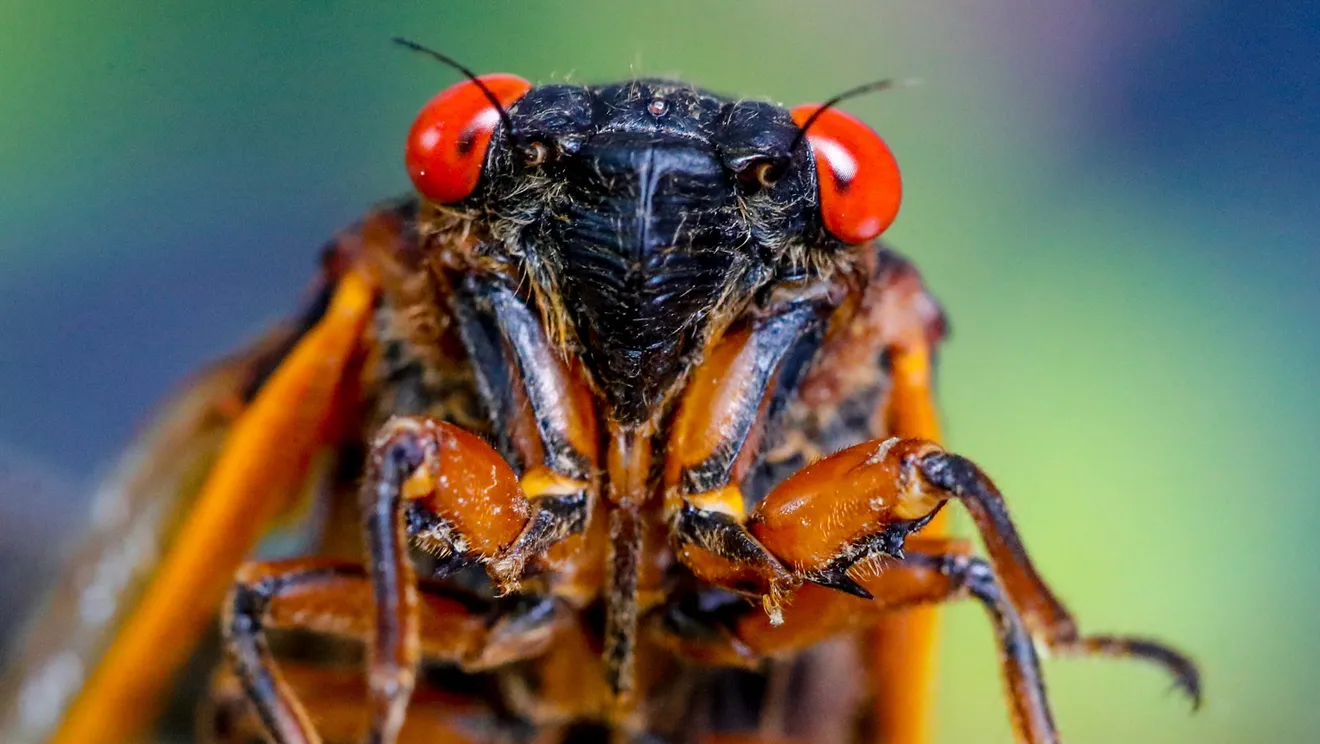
885 342
435 485
932 572
335 702
444 489
894 318
548 423
1045 616
854 506
861 504
916 579
568 683
336 598
716 440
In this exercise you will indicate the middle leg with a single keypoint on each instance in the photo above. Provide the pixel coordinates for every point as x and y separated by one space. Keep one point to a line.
334 598
335 700
935 571
429 483
863 502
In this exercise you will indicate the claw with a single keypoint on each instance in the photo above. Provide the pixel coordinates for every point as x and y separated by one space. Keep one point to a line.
1186 677
839 579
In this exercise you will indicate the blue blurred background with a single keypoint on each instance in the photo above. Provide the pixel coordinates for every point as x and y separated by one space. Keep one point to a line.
1116 202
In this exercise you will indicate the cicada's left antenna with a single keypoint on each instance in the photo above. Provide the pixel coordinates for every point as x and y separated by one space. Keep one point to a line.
468 73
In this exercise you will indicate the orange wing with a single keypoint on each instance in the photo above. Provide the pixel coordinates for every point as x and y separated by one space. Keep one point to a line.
187 502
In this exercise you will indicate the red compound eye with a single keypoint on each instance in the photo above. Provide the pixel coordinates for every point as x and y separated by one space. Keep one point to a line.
860 187
447 144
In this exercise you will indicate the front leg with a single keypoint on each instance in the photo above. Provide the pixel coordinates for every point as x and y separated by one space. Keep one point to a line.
335 701
453 496
805 349
931 572
335 598
426 481
716 439
936 571
860 504
543 419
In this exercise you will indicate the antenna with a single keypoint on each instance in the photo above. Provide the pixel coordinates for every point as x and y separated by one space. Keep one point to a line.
469 74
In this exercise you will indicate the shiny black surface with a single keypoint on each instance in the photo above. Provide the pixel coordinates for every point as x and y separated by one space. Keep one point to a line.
647 220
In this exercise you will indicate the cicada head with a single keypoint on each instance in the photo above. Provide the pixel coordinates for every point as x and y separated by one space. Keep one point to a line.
645 216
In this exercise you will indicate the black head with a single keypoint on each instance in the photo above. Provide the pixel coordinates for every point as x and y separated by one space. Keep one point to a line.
642 216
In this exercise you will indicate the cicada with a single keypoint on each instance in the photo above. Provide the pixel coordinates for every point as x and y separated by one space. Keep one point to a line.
620 429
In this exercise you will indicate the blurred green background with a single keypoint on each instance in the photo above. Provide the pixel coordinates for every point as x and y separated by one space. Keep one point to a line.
1117 205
